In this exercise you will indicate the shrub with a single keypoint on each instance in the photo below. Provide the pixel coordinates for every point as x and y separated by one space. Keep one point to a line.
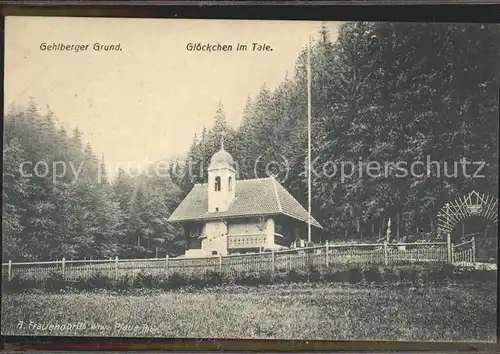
254 278
240 278
97 281
18 284
176 281
485 276
349 275
55 282
196 281
354 275
280 276
423 275
389 274
13 286
314 274
230 277
80 284
295 276
438 273
212 278
123 283
264 278
148 281
209 278
328 275
371 274
407 274
476 277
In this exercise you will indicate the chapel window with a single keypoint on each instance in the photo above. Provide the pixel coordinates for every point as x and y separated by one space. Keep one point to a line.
217 184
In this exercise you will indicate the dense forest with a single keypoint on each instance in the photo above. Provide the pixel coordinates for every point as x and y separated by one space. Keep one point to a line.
381 92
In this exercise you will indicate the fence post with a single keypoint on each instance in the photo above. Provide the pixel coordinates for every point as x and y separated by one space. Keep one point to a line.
326 253
449 245
10 270
272 260
166 264
473 249
386 253
116 267
63 266
220 263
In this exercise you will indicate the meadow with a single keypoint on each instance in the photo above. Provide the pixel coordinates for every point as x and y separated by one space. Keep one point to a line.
342 311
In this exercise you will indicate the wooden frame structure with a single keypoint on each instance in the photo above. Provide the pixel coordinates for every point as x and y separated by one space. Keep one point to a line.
465 207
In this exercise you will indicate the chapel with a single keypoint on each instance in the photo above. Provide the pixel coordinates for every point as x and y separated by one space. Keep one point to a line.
226 215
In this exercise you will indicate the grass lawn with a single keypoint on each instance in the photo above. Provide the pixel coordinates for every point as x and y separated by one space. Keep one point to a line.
306 311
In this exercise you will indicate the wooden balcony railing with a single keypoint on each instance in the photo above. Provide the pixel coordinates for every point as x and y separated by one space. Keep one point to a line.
246 241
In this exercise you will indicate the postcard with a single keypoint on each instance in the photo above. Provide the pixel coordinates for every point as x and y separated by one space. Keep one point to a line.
242 179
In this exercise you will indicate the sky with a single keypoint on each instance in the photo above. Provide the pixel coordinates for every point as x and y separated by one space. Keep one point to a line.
146 101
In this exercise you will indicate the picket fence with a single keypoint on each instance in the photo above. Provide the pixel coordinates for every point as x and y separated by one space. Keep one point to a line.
327 255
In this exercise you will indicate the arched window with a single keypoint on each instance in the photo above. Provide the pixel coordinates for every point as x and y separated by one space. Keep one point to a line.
217 184
230 184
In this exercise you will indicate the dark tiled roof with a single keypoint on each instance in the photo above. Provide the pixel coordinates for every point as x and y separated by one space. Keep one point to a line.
253 197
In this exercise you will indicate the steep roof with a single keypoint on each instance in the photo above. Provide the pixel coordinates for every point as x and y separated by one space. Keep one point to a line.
254 197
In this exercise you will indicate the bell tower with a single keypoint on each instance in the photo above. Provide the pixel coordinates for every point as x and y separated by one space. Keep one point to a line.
221 181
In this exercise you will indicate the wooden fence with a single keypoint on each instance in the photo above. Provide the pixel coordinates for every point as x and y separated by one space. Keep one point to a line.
465 252
320 256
